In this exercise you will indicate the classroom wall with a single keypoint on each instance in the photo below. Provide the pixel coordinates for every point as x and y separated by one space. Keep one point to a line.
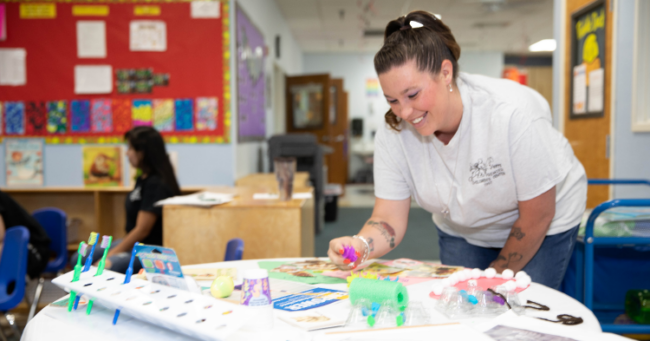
269 20
355 68
631 156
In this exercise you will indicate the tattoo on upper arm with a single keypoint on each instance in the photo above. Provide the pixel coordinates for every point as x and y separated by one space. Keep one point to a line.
371 244
386 230
516 233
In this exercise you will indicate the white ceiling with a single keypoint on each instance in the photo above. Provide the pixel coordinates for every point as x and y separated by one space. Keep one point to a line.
508 26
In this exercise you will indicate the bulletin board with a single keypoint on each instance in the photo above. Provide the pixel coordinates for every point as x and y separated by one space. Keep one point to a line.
183 89
251 110
588 61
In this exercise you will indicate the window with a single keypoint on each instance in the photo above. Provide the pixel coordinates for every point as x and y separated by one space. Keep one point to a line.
641 71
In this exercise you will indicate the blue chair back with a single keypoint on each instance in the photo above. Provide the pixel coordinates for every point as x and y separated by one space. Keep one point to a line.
234 250
13 267
54 221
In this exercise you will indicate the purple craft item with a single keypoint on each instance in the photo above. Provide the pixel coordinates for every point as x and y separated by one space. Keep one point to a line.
349 254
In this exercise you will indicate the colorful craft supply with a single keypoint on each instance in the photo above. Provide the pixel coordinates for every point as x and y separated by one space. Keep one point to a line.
349 254
81 252
222 287
106 245
127 279
378 291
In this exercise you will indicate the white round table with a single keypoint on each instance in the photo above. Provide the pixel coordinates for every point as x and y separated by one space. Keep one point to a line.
54 323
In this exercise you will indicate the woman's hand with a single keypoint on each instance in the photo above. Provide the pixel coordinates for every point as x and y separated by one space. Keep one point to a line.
335 251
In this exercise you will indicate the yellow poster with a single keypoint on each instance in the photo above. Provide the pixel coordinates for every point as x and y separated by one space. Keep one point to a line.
146 10
37 11
102 166
90 11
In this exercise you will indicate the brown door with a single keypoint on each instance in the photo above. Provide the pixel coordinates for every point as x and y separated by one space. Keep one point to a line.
589 136
308 105
338 120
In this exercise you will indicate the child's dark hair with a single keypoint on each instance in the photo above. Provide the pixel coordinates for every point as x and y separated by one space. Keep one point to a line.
428 46
154 155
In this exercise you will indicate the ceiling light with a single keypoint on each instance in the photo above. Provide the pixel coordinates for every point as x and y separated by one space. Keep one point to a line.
544 45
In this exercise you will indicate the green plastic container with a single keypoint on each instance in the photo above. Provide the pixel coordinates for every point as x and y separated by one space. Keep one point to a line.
637 305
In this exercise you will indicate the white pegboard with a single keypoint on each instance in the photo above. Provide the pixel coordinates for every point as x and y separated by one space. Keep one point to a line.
191 314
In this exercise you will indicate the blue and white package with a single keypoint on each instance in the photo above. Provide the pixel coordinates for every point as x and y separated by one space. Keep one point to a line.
309 299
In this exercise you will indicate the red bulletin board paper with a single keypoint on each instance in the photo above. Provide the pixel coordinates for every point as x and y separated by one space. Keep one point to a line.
196 60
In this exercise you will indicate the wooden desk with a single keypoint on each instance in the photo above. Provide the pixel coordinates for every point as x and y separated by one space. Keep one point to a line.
269 228
268 180
92 209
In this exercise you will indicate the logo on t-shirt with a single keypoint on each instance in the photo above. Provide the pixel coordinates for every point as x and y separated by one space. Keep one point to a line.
135 195
484 173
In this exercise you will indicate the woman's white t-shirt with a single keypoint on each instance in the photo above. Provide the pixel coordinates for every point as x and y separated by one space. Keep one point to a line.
505 151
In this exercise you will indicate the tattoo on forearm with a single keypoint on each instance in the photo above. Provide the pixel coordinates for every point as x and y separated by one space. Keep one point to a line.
516 233
371 244
512 257
386 230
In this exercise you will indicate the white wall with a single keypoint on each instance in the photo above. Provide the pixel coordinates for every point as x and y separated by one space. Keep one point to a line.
266 15
631 150
355 68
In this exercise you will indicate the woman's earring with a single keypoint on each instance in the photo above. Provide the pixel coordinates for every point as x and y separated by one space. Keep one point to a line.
450 88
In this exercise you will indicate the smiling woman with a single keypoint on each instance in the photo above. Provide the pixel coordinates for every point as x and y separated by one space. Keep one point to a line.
504 187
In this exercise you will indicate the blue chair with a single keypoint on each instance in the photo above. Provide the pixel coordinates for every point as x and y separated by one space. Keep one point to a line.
13 269
234 250
53 221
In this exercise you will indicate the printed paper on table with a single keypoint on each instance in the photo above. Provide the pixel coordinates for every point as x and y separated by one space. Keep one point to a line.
93 79
148 35
102 166
91 39
24 162
13 69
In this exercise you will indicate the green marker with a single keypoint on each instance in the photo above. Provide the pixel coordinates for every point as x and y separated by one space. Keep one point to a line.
106 244
83 247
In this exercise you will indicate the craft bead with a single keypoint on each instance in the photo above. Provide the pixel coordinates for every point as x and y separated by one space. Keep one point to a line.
520 274
507 274
490 272
476 273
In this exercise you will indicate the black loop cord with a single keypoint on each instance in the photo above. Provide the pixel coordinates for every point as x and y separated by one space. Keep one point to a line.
536 306
565 319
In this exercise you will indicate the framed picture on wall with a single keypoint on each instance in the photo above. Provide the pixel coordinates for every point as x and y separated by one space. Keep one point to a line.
588 61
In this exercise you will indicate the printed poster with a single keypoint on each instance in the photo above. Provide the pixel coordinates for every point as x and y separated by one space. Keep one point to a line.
14 118
36 117
142 112
24 162
102 166
57 121
250 80
184 110
163 114
101 116
121 115
80 116
161 266
206 113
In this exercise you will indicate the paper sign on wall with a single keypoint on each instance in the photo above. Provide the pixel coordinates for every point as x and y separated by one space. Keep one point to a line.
148 35
91 39
37 11
205 9
3 23
13 70
90 10
596 81
146 10
580 89
93 79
